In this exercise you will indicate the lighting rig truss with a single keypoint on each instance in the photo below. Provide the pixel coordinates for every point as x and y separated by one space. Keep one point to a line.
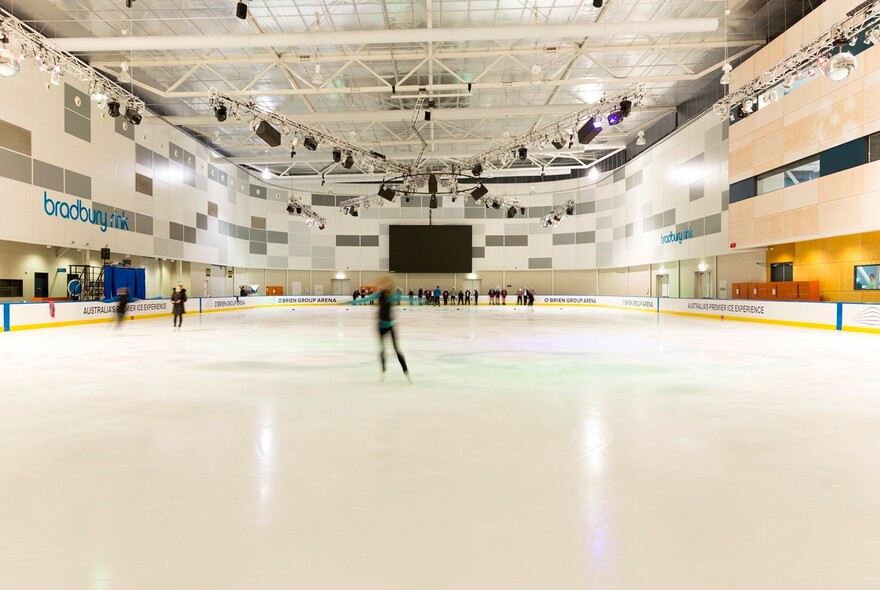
553 218
22 42
310 138
555 133
811 57
354 205
294 207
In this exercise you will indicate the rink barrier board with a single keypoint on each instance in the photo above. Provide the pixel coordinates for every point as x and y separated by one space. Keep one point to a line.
850 317
33 316
781 313
216 304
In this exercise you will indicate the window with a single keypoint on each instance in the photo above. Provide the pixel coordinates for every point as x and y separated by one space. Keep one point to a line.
790 175
11 288
874 147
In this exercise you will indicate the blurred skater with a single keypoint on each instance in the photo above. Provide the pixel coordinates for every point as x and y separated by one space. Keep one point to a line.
178 298
386 293
122 305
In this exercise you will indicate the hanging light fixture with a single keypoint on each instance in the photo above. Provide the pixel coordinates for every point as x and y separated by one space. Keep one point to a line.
594 173
266 174
841 65
536 76
640 140
10 61
124 77
726 78
317 78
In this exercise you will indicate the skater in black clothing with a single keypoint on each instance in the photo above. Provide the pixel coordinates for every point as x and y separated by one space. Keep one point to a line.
385 294
122 305
178 298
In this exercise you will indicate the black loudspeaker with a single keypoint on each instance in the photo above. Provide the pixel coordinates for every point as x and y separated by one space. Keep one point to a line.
588 132
432 184
105 253
241 10
269 134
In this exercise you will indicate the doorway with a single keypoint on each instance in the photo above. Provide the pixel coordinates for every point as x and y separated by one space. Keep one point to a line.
662 287
41 284
340 287
471 284
703 285
781 272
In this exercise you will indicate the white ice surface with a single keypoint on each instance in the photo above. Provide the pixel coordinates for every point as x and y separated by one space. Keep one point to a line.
537 449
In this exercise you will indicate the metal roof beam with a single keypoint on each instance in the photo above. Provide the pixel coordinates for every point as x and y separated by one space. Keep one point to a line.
384 37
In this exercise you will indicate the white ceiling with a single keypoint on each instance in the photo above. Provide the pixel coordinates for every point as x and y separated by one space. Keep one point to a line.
522 79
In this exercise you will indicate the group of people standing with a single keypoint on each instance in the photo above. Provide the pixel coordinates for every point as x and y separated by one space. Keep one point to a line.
524 296
436 295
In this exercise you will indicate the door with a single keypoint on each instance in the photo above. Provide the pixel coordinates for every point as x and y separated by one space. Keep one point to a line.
662 289
296 288
471 284
340 287
41 284
781 272
703 285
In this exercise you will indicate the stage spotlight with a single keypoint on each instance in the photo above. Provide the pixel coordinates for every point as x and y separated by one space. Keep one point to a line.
511 212
349 161
386 193
113 108
477 169
569 210
558 142
496 204
597 3
523 153
432 204
522 211
337 155
311 143
132 116
220 112
241 10
479 192
353 212
626 107
589 131
615 117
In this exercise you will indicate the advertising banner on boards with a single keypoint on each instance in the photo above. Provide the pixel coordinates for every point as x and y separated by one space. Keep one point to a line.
232 303
634 303
23 316
793 313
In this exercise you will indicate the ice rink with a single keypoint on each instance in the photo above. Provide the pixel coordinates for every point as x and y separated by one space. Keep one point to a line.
540 448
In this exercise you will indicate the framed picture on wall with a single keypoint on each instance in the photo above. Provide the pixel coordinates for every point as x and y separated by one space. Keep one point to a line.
866 276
